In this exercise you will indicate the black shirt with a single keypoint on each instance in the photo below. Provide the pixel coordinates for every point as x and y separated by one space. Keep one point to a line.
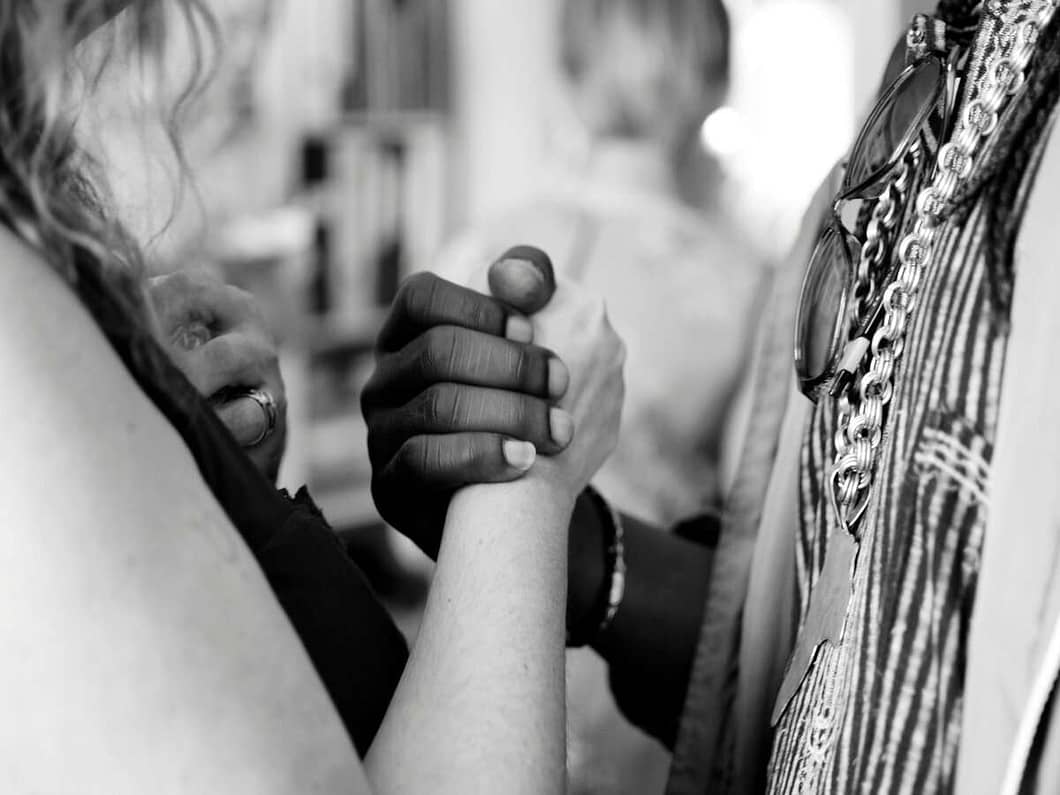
357 650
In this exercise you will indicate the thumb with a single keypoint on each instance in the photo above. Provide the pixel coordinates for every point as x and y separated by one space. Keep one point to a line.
523 278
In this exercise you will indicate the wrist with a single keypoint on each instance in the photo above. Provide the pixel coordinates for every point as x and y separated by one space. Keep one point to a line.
529 496
585 566
596 570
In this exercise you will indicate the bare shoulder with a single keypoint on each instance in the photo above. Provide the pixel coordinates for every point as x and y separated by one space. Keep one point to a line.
45 332
66 393
128 593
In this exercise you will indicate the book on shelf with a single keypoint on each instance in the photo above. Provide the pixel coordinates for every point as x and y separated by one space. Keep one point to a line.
388 210
400 56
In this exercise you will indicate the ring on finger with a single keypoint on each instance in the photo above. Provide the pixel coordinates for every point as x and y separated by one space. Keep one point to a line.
267 403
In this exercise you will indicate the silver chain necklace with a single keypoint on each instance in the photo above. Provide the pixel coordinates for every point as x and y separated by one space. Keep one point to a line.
1011 29
1016 26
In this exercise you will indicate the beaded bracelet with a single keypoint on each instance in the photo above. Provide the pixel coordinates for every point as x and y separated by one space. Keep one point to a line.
606 604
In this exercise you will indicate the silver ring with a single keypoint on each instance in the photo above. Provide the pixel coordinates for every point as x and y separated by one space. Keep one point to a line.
267 403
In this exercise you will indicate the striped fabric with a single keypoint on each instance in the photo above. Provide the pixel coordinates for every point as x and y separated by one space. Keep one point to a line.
881 714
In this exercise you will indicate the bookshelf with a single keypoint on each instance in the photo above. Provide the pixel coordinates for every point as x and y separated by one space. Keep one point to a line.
375 178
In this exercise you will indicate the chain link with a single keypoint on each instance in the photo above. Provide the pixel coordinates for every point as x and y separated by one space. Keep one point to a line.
882 221
859 429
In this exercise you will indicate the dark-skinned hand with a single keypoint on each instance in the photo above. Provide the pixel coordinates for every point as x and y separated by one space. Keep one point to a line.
460 394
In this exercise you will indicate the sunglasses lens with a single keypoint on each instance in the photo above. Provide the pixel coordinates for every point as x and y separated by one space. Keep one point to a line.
896 120
819 321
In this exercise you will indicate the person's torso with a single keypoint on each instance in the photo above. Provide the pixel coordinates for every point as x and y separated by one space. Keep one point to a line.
881 712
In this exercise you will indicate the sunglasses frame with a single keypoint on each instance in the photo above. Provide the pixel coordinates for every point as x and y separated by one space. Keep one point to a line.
945 93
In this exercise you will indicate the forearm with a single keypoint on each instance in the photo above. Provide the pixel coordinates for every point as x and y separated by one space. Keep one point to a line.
651 642
481 704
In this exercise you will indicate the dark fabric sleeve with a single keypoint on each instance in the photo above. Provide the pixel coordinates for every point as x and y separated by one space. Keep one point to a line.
651 644
356 648
652 697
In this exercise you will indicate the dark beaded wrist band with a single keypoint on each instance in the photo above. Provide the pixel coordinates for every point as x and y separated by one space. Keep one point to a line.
602 613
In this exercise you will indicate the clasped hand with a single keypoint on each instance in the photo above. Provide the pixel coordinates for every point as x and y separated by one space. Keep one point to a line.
216 334
464 380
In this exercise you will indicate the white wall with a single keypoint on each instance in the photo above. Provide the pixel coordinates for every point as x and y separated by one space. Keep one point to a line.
877 25
503 75
505 84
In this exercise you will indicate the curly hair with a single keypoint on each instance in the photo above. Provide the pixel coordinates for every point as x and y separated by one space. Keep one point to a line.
51 191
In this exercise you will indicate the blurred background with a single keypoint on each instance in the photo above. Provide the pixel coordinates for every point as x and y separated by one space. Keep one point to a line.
662 151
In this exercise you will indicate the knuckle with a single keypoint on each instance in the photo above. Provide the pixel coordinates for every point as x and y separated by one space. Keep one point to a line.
475 452
532 368
222 353
438 352
520 363
419 294
521 417
474 312
412 457
481 312
437 458
439 406
425 359
463 452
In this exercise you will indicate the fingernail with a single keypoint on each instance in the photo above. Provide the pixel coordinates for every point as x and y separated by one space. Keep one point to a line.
520 281
519 329
558 378
519 455
525 275
561 425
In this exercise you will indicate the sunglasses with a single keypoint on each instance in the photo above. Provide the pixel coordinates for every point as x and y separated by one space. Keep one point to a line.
841 303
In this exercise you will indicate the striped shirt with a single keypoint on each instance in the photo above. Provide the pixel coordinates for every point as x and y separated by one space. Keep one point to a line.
881 713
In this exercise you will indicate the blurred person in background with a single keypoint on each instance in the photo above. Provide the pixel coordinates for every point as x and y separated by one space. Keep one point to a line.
679 282
878 609
641 76
156 579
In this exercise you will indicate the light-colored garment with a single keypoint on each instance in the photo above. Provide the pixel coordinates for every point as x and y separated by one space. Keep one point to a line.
1012 656
680 289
